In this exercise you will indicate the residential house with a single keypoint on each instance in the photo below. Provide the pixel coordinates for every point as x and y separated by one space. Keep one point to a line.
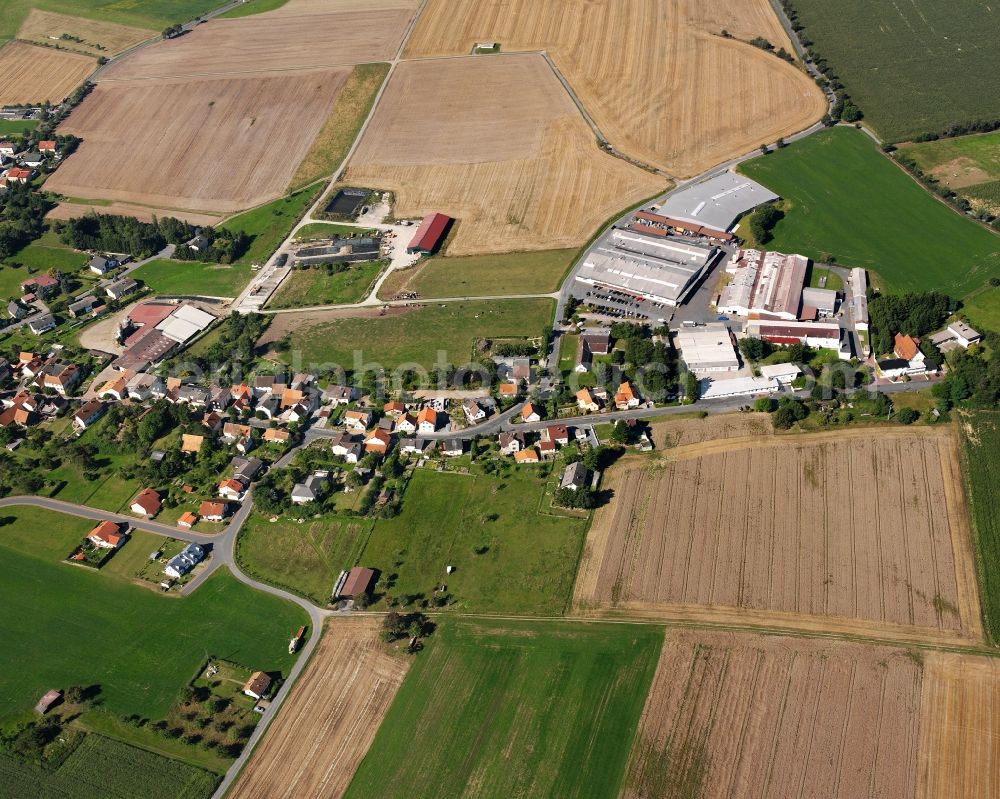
511 443
452 447
146 503
473 411
547 448
339 395
246 469
193 396
184 561
527 455
378 441
231 488
32 160
427 420
269 407
107 535
386 423
219 398
101 266
16 310
358 421
557 434
187 520
120 288
394 409
213 511
413 446
18 174
88 413
59 377
907 348
42 324
212 421
341 442
233 431
508 390
531 413
256 687
191 444
7 148
591 343
40 285
48 146
626 397
310 490
144 386
263 384
585 401
5 370
277 436
246 444
406 424
354 453
82 306
574 477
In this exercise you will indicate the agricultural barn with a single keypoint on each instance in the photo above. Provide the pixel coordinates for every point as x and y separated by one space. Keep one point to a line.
716 203
429 234
708 349
354 583
765 284
660 270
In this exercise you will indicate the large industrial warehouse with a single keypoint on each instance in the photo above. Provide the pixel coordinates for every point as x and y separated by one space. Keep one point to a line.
717 202
768 284
660 270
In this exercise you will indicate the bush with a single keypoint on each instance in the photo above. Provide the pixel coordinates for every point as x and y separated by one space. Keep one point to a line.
907 415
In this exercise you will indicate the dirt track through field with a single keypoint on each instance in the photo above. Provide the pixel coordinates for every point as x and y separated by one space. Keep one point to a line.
327 723
657 77
214 145
732 714
30 74
497 143
851 526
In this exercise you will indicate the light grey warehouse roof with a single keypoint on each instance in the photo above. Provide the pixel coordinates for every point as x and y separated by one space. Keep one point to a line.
716 202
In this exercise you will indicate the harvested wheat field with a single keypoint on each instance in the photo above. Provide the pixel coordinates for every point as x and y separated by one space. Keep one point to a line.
728 426
659 81
88 36
960 727
846 526
733 714
37 74
212 145
299 35
497 143
141 212
327 723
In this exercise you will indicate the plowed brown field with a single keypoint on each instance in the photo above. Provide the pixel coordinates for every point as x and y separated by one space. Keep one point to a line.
296 36
657 78
208 145
497 143
30 74
960 727
738 715
327 723
853 525
99 38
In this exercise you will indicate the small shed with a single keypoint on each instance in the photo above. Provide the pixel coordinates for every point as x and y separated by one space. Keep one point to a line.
48 701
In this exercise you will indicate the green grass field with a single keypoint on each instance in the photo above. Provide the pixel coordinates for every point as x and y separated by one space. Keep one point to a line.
253 7
529 560
10 127
486 275
983 310
303 558
847 201
502 709
66 625
567 352
45 253
304 287
341 128
981 152
152 14
981 463
270 223
912 67
190 277
414 336
100 768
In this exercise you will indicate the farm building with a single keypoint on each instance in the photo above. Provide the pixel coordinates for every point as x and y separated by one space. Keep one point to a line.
812 334
354 583
858 281
185 323
256 687
708 348
766 284
659 270
717 202
429 234
823 300
340 250
48 701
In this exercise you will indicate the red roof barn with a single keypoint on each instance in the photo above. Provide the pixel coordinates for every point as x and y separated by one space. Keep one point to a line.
429 234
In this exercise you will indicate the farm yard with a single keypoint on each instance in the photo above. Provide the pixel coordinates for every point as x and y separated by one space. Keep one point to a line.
89 36
404 336
497 144
500 709
323 38
913 67
868 532
733 714
659 81
330 718
846 201
170 164
39 74
483 275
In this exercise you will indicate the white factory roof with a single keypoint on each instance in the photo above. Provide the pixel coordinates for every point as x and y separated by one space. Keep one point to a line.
782 372
739 387
706 347
185 323
716 202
